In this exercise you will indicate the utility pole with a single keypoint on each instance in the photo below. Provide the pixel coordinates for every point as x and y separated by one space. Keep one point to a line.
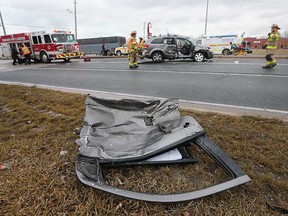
75 17
2 23
206 17
144 28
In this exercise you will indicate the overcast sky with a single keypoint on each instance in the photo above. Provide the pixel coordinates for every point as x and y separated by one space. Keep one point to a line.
99 18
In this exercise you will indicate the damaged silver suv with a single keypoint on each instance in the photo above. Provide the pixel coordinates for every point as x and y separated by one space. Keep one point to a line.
175 47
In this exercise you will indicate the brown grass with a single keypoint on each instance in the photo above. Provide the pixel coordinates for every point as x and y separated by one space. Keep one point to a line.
36 124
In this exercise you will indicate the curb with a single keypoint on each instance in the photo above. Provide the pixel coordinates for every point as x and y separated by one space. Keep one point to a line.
231 110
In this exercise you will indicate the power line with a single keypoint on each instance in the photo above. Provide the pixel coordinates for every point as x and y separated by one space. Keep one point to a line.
2 24
9 24
48 27
50 11
162 11
268 2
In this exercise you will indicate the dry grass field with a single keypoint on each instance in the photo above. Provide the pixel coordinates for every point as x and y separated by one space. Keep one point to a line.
37 124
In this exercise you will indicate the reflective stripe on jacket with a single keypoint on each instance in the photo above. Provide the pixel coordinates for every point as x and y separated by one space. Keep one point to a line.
132 45
26 50
273 40
141 44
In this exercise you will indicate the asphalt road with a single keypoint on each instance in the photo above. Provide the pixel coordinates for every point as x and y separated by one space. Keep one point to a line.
235 82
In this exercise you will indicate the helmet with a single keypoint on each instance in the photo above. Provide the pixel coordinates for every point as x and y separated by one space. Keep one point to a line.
275 26
133 33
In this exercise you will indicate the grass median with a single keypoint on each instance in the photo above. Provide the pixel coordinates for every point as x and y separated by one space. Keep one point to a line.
37 135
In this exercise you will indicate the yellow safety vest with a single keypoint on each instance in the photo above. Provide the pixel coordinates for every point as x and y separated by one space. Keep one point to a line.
141 44
26 50
273 40
132 44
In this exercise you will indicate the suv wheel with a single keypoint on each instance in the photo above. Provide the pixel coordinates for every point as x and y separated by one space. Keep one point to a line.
157 56
118 53
199 57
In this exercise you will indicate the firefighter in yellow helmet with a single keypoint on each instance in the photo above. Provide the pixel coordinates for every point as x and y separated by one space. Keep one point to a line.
132 50
141 47
271 46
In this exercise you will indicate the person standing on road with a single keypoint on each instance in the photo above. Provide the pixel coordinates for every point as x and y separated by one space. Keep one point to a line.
132 51
27 54
104 52
271 46
15 54
141 47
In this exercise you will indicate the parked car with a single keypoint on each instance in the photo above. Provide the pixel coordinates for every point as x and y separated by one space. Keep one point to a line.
123 50
175 47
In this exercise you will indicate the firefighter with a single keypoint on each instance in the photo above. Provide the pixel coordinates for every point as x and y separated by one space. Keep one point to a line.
15 54
132 50
271 46
27 54
141 47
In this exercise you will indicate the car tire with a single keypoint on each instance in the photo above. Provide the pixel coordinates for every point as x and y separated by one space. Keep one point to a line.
226 52
118 53
44 57
199 57
108 53
157 56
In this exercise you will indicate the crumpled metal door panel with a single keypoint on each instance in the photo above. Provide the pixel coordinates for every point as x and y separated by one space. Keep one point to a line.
119 129
130 132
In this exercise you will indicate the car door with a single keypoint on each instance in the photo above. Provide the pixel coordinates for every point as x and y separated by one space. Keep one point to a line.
124 49
184 46
171 48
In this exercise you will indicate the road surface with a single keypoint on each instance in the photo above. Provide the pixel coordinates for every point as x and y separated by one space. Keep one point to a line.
227 82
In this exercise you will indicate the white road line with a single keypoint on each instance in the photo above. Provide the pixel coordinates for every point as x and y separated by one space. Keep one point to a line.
200 63
225 73
244 63
237 107
124 95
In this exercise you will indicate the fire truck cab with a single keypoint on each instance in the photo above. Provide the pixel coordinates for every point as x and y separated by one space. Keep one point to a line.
44 46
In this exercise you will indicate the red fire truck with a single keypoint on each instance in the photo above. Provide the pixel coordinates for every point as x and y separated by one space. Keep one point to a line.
44 46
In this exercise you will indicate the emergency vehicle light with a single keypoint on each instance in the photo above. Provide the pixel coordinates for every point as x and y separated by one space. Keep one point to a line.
61 31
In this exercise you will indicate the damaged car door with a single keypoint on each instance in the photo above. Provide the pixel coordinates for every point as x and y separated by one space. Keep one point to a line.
171 48
184 47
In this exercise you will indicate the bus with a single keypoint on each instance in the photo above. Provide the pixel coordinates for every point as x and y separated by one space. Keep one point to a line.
94 45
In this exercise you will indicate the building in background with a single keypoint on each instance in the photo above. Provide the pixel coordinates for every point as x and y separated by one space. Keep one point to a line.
257 43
